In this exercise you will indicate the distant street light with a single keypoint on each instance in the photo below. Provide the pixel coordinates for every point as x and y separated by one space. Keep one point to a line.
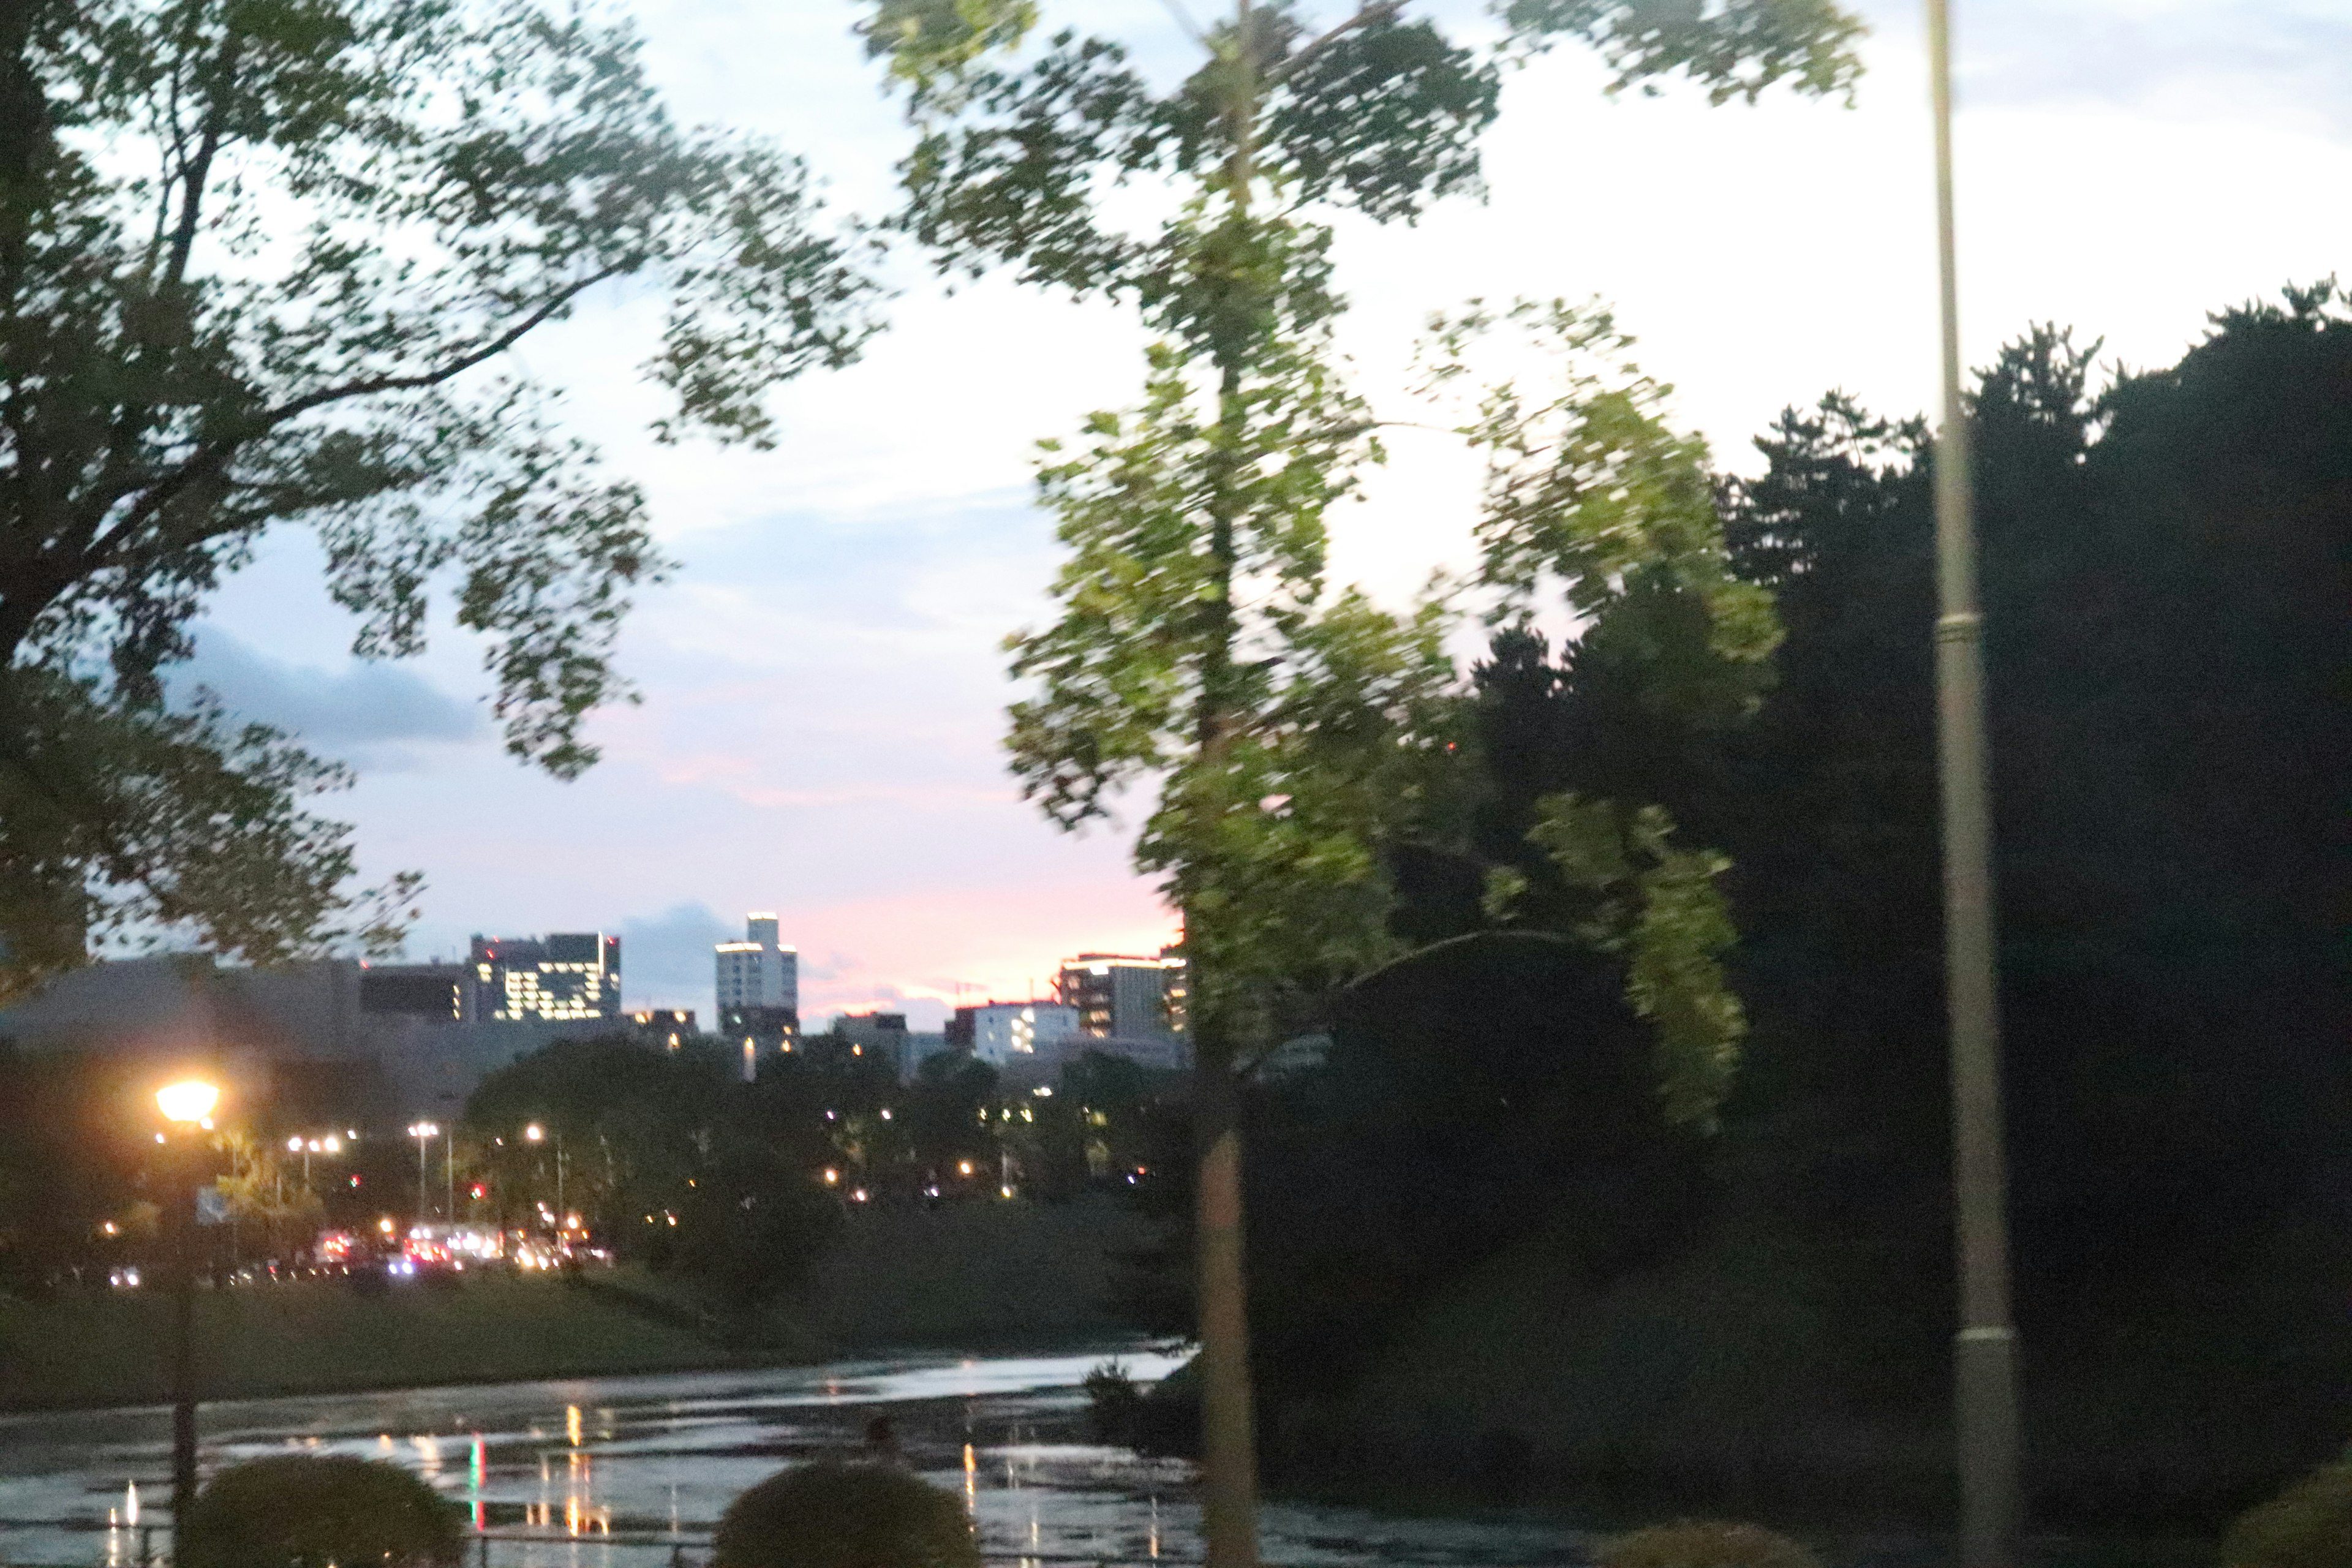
305 1147
424 1132
536 1133
188 1106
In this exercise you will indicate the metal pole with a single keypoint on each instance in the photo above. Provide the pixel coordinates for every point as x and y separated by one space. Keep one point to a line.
449 1147
1985 1405
423 1211
183 1336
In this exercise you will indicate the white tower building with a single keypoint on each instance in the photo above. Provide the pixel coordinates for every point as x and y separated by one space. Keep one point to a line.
758 989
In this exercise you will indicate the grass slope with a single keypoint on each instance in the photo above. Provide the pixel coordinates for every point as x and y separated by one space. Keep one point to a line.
114 1348
979 1276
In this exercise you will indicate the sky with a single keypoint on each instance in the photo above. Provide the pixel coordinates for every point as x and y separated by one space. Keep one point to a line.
821 681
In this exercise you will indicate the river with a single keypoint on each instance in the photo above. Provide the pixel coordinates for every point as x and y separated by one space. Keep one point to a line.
618 1472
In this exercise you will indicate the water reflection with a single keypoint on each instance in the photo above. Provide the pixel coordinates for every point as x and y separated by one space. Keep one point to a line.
611 1473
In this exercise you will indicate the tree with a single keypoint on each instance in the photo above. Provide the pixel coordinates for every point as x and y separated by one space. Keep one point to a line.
2164 572
1284 725
264 262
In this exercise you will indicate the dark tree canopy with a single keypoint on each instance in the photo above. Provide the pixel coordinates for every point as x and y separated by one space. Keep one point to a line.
2168 564
261 262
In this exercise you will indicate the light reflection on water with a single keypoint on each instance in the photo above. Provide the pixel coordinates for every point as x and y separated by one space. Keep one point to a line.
620 1468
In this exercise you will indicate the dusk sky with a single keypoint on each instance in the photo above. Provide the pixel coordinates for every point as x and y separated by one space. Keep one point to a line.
822 689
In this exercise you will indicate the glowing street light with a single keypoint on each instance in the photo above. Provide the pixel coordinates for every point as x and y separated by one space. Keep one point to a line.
424 1132
188 1106
187 1102
305 1147
535 1133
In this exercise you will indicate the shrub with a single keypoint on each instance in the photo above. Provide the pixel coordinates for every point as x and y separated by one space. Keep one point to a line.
1113 1403
293 1511
2309 1525
1704 1543
833 1515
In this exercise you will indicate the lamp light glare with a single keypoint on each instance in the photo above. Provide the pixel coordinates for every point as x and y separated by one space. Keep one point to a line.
189 1101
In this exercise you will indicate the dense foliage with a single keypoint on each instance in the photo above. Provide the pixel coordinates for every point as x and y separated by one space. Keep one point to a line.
2167 566
732 1188
1282 726
2168 563
301 1510
263 262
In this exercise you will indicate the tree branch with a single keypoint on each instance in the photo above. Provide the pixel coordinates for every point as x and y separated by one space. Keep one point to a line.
213 455
1378 11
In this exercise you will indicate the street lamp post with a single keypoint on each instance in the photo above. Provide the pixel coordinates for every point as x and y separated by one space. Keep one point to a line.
536 1133
305 1147
1984 1391
188 1106
424 1132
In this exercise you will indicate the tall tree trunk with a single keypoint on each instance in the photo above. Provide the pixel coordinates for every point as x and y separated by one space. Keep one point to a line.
1228 1433
1228 1418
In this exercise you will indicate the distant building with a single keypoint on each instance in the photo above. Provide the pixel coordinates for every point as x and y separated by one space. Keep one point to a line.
922 1046
1180 990
566 977
759 987
1000 1033
435 991
668 1027
882 1034
365 1045
1125 997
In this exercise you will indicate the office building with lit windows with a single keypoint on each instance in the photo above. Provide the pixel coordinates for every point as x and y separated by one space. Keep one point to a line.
759 987
1010 1033
1122 996
564 977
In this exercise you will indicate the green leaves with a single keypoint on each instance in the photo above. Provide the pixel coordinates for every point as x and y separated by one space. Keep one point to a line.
1297 737
1012 168
1658 905
1589 486
264 261
928 42
122 826
1735 49
1384 118
1206 489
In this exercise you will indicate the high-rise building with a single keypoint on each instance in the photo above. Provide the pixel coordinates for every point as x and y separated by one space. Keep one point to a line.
1000 1033
759 986
1122 996
564 977
1180 989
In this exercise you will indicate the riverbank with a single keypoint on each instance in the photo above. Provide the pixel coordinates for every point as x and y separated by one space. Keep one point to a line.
112 1347
970 1276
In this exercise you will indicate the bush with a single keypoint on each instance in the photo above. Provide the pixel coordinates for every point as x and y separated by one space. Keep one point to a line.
1113 1403
293 1511
832 1515
1704 1543
2309 1525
